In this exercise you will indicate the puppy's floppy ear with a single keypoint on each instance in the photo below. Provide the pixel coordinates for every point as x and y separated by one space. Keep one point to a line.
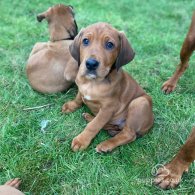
72 9
126 53
74 48
41 16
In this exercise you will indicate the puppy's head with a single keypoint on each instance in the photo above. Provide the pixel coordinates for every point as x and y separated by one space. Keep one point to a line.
60 17
100 48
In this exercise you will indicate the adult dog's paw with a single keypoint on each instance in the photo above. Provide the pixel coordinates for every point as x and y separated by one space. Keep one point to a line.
168 86
169 176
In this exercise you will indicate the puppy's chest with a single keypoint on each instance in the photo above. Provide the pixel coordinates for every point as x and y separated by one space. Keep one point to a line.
89 92
92 95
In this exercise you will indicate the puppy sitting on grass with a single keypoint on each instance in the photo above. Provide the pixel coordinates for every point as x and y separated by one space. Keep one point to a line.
117 102
50 67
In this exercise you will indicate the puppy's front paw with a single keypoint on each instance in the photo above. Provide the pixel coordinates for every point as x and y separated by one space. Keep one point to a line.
168 86
69 107
106 146
79 143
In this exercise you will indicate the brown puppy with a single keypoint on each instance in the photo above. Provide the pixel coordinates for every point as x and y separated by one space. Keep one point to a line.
118 103
50 67
186 51
170 175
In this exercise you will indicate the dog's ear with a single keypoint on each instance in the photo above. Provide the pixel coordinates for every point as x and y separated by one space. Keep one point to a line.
74 48
41 16
126 53
72 9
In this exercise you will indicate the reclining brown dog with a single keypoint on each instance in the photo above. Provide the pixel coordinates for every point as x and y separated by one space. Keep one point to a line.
170 175
186 51
50 67
118 103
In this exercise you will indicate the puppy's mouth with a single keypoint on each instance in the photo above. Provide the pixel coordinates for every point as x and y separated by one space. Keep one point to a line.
91 74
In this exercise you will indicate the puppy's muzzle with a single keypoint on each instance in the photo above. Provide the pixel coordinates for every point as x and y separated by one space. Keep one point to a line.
92 64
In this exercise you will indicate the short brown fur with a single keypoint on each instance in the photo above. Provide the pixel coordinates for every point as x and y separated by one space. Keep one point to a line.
170 175
186 51
50 67
117 102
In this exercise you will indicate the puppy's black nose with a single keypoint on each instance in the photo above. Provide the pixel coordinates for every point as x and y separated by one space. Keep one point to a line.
92 64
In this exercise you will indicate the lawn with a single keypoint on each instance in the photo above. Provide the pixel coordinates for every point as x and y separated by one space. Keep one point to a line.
44 161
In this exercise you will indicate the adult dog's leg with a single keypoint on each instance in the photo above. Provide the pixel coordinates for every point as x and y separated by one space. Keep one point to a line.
71 106
139 120
170 175
185 53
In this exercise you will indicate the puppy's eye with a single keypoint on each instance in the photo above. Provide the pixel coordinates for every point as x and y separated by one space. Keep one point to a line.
85 42
109 45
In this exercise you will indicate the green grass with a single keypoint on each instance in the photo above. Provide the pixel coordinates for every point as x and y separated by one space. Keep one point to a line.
156 30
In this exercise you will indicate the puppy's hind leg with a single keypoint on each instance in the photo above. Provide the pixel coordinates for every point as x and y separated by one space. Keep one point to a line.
138 122
88 117
71 106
